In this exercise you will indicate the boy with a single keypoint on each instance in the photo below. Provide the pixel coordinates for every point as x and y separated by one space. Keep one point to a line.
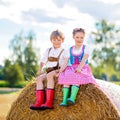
53 59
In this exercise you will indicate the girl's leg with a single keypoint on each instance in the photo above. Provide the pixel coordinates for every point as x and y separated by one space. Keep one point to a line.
39 93
65 89
49 91
74 91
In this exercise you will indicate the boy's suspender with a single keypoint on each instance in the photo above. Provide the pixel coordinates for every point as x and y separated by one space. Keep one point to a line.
49 51
59 58
57 66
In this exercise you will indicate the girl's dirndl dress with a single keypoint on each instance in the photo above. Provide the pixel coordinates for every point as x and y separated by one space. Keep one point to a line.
69 76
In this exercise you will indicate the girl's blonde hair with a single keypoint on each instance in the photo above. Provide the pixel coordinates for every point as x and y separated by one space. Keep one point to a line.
57 33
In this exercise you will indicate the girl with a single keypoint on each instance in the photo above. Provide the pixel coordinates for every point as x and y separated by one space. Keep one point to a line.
77 72
52 58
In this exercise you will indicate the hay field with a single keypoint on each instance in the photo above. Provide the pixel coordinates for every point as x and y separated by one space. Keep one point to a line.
91 104
111 89
5 104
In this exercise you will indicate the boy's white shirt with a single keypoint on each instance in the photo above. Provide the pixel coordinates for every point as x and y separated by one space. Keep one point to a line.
53 53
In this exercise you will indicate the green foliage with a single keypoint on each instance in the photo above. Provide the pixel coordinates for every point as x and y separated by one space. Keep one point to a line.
98 72
2 77
118 83
17 45
23 63
4 83
25 54
13 73
31 59
106 50
21 84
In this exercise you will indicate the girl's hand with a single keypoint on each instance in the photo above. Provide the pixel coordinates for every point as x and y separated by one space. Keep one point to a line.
78 70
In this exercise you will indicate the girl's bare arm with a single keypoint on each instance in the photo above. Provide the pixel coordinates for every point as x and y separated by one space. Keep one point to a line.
64 65
82 63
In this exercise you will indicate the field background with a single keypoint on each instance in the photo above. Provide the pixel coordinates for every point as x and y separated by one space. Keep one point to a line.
7 96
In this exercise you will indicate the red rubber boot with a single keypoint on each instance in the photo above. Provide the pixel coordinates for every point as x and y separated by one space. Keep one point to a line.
49 99
39 100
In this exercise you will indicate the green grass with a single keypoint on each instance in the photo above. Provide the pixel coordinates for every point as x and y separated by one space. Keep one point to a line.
118 83
21 84
3 83
7 92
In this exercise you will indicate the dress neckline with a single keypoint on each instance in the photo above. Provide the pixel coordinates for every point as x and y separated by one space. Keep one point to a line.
73 47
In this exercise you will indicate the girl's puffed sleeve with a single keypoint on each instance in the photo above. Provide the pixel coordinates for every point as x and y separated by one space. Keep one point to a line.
87 50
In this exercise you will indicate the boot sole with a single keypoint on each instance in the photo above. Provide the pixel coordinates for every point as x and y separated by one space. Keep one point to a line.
44 108
34 108
63 105
70 102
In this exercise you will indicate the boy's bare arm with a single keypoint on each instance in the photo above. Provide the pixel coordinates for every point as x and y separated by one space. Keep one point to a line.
40 68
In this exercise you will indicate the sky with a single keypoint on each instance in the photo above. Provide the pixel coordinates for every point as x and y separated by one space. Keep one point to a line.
44 16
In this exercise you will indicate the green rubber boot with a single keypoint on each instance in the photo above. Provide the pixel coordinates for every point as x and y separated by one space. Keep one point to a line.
74 91
65 96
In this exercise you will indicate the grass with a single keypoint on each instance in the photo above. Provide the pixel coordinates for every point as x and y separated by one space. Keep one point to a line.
4 83
118 83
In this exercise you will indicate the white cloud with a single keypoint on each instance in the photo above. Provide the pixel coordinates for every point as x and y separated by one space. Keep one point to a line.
47 15
4 54
110 1
16 7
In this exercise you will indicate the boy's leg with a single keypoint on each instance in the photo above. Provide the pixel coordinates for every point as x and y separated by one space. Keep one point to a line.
40 93
49 99
65 90
49 91
74 91
50 80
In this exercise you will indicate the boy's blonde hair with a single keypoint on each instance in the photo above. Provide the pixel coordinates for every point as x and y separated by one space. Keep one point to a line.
57 33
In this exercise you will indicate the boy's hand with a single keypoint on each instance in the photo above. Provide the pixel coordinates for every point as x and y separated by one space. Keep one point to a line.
57 73
39 72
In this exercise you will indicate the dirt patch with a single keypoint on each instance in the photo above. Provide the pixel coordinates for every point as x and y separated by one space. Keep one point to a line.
5 103
8 90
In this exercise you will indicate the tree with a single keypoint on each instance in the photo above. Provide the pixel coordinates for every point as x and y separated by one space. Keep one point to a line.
30 57
2 77
106 37
17 46
13 73
24 53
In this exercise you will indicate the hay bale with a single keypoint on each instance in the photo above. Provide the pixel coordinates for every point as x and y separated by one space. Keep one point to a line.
112 91
91 104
